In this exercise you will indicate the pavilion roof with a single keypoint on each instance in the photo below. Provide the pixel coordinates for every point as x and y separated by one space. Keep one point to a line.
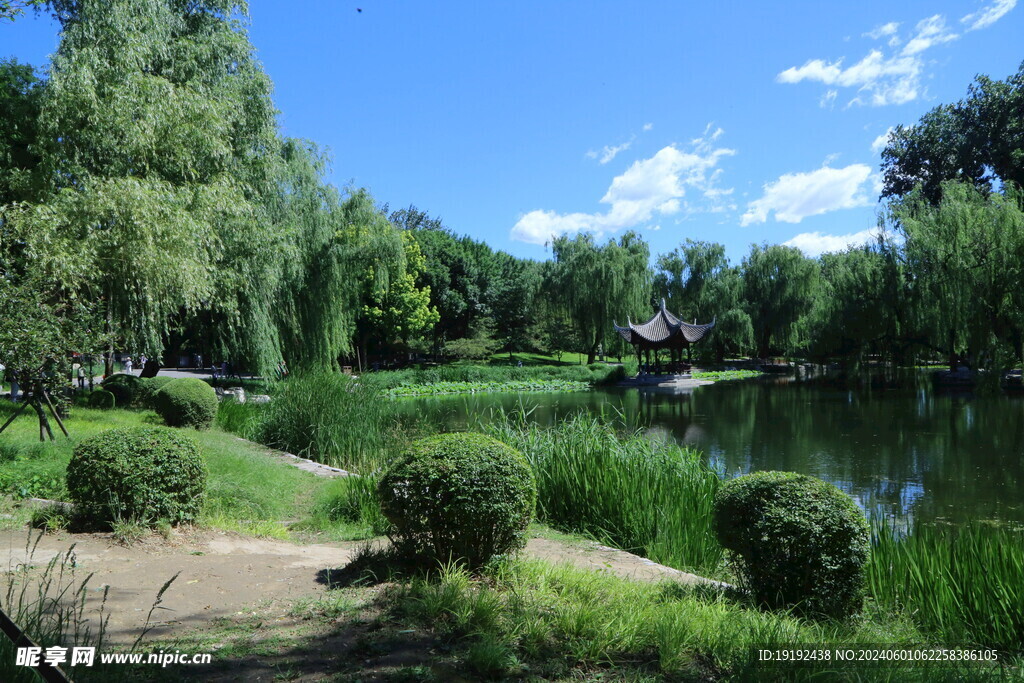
663 328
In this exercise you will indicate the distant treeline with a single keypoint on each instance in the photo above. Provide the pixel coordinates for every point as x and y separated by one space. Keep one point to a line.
149 203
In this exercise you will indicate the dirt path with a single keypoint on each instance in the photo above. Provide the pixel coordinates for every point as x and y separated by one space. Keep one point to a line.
221 574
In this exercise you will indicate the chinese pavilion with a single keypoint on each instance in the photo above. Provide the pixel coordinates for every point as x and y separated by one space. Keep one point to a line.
663 331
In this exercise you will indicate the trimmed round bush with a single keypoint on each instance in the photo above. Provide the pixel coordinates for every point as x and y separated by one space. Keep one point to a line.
137 473
127 389
462 497
101 398
186 402
151 385
797 541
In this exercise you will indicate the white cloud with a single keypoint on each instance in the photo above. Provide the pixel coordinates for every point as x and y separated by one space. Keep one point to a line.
795 196
815 243
883 30
879 143
648 126
609 152
878 78
648 188
930 31
989 15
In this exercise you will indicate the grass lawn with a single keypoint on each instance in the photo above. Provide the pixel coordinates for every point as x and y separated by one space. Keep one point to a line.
534 620
248 490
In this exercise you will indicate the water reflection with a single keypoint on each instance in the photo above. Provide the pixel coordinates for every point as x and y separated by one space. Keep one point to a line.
904 453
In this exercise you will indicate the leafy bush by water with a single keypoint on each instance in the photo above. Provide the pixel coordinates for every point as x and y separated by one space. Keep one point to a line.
625 490
458 497
797 541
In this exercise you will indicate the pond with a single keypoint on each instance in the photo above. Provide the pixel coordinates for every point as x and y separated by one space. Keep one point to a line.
905 453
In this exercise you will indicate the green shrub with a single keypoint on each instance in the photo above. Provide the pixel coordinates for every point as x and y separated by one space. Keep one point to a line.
149 387
127 389
461 497
137 473
101 398
796 540
186 402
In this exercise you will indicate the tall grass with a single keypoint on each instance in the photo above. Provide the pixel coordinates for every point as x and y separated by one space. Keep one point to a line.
48 604
332 419
963 584
651 498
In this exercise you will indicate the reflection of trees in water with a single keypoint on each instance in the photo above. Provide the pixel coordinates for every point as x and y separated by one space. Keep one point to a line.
904 453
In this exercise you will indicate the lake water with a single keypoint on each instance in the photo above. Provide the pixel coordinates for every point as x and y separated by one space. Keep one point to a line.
903 453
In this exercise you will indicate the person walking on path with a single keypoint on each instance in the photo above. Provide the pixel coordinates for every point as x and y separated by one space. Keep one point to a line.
81 376
128 365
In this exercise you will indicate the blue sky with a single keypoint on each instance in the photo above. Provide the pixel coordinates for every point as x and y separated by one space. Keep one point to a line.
513 121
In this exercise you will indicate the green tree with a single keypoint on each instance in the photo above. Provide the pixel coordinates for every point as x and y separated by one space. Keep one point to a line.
156 137
978 140
779 285
21 91
856 307
598 284
965 257
511 295
698 281
394 311
9 9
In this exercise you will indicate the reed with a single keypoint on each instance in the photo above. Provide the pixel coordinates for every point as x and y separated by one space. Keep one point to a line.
332 419
625 490
963 584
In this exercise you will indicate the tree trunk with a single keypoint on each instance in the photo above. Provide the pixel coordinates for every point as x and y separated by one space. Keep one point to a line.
952 351
108 362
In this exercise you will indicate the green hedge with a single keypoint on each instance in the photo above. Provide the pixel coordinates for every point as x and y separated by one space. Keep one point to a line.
150 386
797 541
137 473
463 497
186 402
127 389
101 398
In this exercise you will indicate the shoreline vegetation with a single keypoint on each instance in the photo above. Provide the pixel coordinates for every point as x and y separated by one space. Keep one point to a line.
603 480
596 479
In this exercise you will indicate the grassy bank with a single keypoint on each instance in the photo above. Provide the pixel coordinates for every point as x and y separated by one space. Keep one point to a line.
534 620
247 490
654 499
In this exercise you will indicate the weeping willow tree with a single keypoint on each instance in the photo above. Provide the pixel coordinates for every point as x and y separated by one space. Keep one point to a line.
699 283
965 255
597 284
779 286
157 137
330 261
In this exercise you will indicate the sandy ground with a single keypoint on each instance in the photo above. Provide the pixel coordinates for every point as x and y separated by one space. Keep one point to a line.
220 574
